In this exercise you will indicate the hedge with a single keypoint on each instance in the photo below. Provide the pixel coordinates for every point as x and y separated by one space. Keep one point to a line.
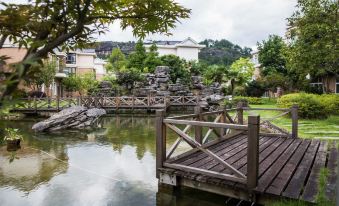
311 106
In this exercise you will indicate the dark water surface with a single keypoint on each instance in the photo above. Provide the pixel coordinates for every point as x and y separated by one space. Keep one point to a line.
112 165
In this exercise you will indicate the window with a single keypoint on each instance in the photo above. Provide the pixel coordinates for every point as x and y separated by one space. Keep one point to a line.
316 86
71 58
69 70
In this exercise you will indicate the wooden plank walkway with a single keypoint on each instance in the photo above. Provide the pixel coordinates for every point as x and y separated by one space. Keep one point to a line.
287 167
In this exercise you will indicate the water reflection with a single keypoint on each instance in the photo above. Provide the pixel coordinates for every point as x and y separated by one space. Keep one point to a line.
111 165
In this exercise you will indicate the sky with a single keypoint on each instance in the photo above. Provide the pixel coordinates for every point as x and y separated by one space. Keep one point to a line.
243 22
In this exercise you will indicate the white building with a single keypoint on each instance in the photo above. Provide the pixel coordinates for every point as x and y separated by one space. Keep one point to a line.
85 61
99 67
255 61
187 49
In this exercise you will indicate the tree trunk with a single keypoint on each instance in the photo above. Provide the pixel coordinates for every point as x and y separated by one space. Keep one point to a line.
326 80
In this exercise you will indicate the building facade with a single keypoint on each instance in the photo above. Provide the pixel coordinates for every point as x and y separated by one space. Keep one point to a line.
187 49
77 63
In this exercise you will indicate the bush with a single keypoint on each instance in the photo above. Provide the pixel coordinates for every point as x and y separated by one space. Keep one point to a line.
330 102
309 105
249 100
239 91
255 89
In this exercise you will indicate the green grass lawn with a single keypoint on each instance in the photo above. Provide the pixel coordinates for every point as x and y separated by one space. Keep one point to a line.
308 128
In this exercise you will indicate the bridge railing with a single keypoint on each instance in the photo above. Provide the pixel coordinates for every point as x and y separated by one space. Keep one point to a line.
45 103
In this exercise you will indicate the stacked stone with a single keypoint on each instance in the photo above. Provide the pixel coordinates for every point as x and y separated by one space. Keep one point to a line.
179 89
162 78
214 88
105 89
197 83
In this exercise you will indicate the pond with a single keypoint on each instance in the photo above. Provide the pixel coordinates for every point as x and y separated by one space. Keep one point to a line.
111 165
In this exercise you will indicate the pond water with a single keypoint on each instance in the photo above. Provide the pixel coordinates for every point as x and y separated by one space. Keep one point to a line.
111 165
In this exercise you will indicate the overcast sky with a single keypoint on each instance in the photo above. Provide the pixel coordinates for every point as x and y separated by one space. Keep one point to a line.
244 22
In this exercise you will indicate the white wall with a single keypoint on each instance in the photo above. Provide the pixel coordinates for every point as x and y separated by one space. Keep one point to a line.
167 51
85 61
188 53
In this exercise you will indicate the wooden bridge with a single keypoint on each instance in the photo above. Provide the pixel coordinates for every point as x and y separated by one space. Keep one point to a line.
242 158
35 105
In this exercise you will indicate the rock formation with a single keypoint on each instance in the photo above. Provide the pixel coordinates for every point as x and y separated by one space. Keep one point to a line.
74 117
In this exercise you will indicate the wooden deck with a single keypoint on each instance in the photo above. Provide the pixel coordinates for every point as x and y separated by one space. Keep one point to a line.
244 162
287 167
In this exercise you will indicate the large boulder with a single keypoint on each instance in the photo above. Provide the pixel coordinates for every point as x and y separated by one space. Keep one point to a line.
73 117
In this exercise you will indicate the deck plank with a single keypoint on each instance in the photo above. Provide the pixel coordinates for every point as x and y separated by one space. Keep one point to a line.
242 156
311 188
332 167
282 179
269 175
265 164
209 162
296 183
227 146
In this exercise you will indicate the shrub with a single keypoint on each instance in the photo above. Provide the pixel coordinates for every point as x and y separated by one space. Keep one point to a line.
255 88
309 105
239 91
248 100
330 102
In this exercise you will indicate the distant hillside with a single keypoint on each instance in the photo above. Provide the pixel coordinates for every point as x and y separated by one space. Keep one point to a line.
104 49
222 52
216 51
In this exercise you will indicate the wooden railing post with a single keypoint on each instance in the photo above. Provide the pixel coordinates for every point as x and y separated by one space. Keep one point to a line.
133 101
148 100
240 113
198 129
223 120
160 140
35 104
294 115
58 103
48 102
253 151
78 101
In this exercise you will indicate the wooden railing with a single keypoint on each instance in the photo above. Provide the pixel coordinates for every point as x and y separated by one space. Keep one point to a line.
224 126
129 102
46 103
267 122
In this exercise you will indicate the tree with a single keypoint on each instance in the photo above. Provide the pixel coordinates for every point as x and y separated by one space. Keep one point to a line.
271 55
214 73
42 25
128 77
42 74
136 59
222 52
116 61
314 35
240 72
152 59
80 83
196 68
177 69
71 83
